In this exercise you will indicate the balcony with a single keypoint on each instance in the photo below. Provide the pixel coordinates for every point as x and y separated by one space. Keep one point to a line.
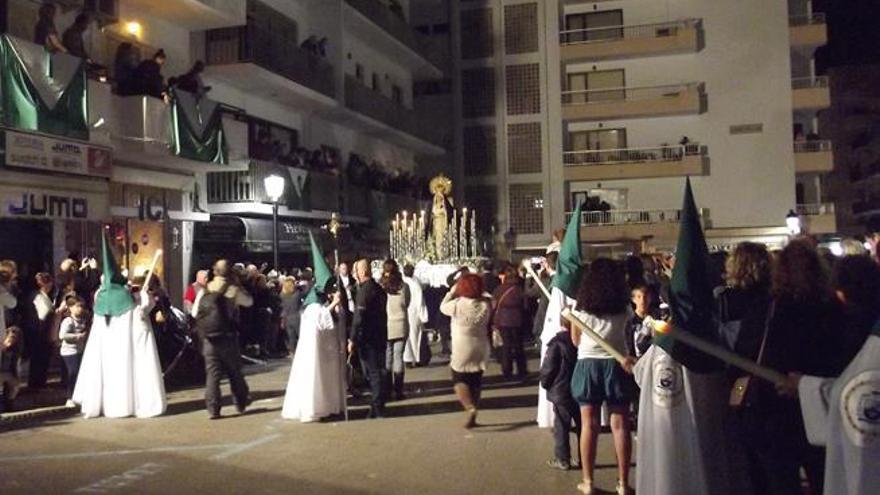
818 218
376 205
194 15
642 40
269 65
621 225
377 114
630 102
373 22
813 157
810 93
306 193
808 31
635 163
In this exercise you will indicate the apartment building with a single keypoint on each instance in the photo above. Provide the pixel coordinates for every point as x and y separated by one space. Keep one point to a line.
346 100
613 103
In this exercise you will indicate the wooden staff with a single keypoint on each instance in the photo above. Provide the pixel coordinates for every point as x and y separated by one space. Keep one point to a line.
535 276
604 344
152 268
716 351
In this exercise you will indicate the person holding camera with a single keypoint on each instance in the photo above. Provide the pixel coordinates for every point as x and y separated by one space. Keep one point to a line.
215 313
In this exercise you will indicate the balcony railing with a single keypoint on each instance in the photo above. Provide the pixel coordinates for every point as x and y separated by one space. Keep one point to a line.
395 25
613 33
809 82
379 107
806 20
317 191
627 217
634 93
815 209
606 156
812 146
273 52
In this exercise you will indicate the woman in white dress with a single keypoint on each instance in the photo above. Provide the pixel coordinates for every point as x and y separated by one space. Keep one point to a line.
315 387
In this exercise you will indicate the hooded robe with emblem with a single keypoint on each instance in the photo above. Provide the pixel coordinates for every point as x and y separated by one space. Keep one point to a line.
120 374
843 414
316 386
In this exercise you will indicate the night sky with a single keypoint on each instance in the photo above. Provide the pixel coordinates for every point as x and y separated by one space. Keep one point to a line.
853 33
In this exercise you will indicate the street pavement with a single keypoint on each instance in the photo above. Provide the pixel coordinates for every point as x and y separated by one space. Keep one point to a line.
421 448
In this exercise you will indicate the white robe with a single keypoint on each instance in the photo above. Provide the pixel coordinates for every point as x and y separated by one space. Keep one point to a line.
417 313
683 446
552 326
844 415
314 385
120 374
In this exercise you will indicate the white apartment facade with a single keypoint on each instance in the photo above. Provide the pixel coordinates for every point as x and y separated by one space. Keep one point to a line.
592 101
356 99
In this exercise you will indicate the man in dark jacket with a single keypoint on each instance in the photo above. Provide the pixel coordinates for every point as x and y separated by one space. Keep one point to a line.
556 371
369 333
508 317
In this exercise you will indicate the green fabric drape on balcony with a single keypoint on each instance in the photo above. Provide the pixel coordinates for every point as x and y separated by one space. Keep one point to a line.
42 92
197 128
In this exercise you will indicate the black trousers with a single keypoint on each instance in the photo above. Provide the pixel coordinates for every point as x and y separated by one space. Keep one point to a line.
222 357
71 365
373 362
512 352
565 413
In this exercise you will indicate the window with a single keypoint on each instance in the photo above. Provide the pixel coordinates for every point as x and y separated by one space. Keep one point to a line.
479 150
375 82
594 26
526 211
601 139
397 94
483 199
428 88
477 34
583 86
523 89
478 92
521 28
359 73
524 148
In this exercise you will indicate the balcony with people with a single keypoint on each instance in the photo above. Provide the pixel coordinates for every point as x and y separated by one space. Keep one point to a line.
631 41
607 103
685 159
600 223
818 218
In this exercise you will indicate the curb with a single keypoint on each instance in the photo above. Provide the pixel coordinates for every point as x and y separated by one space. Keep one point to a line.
15 417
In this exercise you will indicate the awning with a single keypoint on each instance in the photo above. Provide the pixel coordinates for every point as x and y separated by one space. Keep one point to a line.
255 234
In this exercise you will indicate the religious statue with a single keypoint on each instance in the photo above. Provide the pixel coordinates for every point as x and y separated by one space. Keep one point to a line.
441 215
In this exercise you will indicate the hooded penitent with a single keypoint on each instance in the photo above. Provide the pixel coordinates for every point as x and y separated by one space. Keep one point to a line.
113 297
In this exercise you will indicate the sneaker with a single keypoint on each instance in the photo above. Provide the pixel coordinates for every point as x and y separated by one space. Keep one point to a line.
557 464
623 489
586 487
471 418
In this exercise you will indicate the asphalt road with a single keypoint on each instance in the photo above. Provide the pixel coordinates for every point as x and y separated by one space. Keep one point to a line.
421 448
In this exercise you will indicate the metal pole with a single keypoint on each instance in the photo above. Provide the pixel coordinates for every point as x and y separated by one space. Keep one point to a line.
275 235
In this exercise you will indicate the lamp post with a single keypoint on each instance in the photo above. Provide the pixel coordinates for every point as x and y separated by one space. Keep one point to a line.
274 185
793 222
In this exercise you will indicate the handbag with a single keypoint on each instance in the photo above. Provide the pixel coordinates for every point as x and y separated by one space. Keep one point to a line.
741 385
497 339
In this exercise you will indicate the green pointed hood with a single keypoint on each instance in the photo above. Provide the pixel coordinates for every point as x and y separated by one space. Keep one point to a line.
568 265
690 291
113 298
322 273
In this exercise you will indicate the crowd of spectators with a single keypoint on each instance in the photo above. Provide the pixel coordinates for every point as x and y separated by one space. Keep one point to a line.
374 175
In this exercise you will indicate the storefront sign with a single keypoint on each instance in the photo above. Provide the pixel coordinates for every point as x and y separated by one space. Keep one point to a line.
56 205
40 152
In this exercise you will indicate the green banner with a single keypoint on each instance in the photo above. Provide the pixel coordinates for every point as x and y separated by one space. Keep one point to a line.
197 128
42 92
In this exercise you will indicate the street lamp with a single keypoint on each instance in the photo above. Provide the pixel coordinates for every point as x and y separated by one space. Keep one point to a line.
793 222
274 185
